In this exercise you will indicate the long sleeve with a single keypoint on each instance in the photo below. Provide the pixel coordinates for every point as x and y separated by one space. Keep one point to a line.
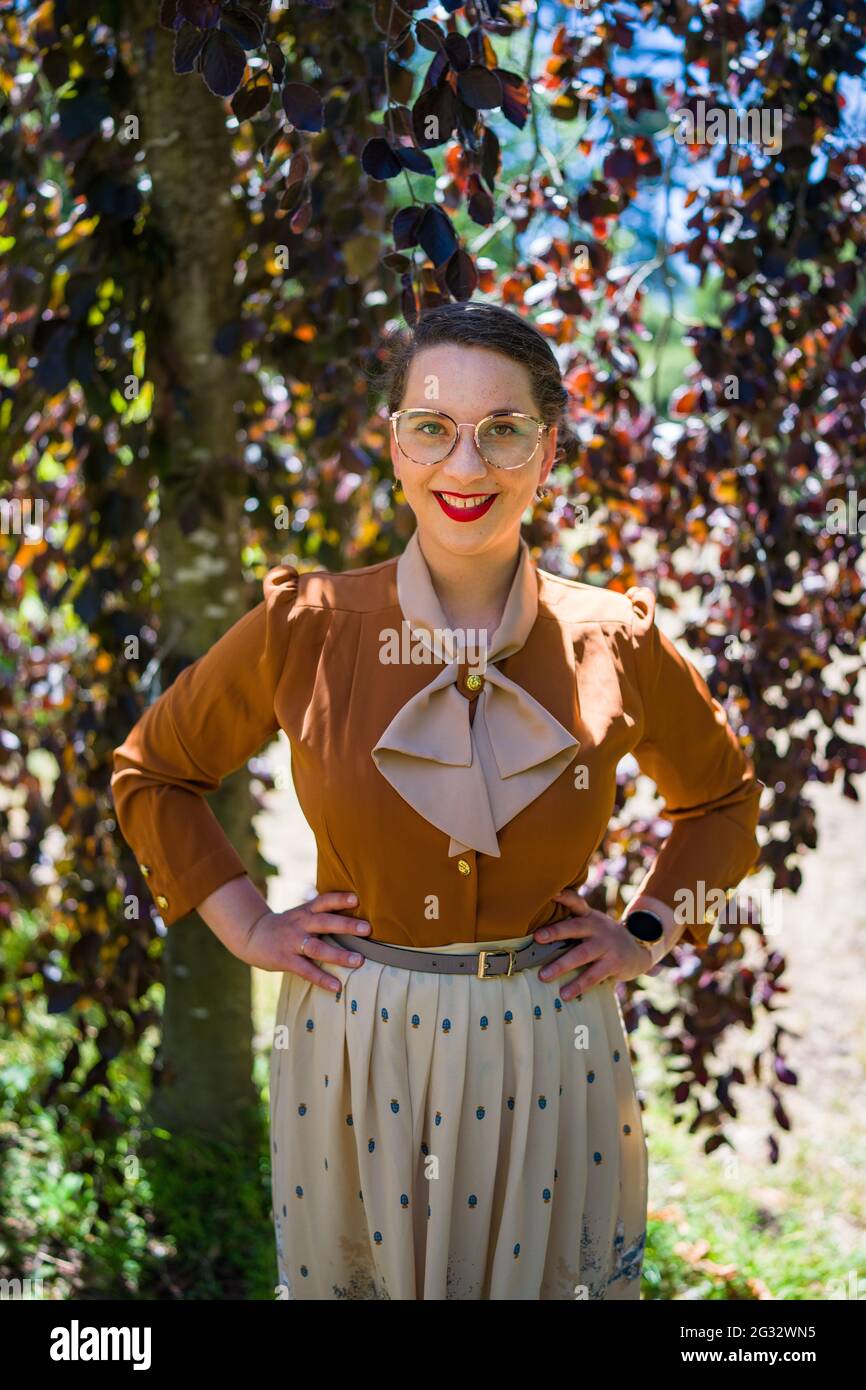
708 783
212 719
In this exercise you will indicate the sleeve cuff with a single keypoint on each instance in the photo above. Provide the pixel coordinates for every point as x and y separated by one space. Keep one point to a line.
177 897
725 851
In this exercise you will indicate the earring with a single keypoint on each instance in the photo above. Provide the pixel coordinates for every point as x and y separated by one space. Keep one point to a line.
395 484
541 492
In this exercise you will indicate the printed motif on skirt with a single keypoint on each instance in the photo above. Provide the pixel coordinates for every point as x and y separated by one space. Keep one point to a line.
444 1137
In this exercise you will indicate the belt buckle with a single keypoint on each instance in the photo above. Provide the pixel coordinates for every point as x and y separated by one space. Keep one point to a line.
481 973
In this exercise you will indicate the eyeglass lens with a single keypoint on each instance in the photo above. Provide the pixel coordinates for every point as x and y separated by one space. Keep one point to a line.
506 441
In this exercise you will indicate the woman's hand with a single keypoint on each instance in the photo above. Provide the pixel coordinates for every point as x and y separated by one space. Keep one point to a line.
607 947
289 941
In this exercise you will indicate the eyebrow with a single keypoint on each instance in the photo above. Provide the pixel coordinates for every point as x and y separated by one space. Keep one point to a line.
497 410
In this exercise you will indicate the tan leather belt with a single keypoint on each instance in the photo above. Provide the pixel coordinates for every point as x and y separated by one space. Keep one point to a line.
483 964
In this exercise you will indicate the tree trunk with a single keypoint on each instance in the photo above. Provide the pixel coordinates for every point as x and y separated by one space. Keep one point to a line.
206 1081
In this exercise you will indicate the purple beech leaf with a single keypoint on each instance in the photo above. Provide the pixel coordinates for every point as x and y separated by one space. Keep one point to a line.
243 27
188 44
293 196
390 18
299 168
416 160
480 88
405 227
430 35
303 106
248 101
204 14
476 47
400 123
467 120
437 70
402 81
433 116
461 275
480 207
515 97
396 261
300 221
490 158
459 52
222 64
379 160
436 235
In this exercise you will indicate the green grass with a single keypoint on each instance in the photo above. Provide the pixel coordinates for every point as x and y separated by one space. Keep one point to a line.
725 1227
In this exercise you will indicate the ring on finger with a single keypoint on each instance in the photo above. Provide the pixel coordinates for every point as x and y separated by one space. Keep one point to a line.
304 945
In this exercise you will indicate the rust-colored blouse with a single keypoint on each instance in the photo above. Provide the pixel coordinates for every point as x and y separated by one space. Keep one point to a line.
451 823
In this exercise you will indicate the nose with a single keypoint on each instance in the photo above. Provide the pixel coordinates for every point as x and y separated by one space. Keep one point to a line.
465 463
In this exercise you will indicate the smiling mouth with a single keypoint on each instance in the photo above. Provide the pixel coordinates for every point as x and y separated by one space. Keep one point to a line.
462 506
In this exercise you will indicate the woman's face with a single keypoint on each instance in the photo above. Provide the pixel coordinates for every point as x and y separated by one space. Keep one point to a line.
468 383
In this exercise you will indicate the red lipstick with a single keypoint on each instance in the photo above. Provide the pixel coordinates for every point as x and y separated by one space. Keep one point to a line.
466 513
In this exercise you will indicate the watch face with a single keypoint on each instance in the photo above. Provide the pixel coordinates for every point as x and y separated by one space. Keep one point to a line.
646 926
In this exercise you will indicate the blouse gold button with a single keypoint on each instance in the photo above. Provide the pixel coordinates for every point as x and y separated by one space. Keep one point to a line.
162 902
474 682
464 867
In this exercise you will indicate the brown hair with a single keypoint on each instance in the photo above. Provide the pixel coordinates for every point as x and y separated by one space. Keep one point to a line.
476 324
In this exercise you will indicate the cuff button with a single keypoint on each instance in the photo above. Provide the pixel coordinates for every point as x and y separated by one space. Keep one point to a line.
145 871
161 902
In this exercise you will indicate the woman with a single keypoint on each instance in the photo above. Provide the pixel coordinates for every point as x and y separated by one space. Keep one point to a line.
456 717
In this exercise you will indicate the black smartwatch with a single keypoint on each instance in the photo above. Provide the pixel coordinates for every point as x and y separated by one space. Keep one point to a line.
646 926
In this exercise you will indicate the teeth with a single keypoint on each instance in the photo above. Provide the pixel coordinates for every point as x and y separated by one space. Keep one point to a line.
465 503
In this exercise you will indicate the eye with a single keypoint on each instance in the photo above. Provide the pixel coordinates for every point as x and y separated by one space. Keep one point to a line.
426 423
502 429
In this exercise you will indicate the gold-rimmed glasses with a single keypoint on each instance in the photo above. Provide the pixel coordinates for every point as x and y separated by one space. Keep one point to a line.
504 439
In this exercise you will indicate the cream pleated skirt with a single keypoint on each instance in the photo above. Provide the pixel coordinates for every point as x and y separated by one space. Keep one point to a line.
437 1137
